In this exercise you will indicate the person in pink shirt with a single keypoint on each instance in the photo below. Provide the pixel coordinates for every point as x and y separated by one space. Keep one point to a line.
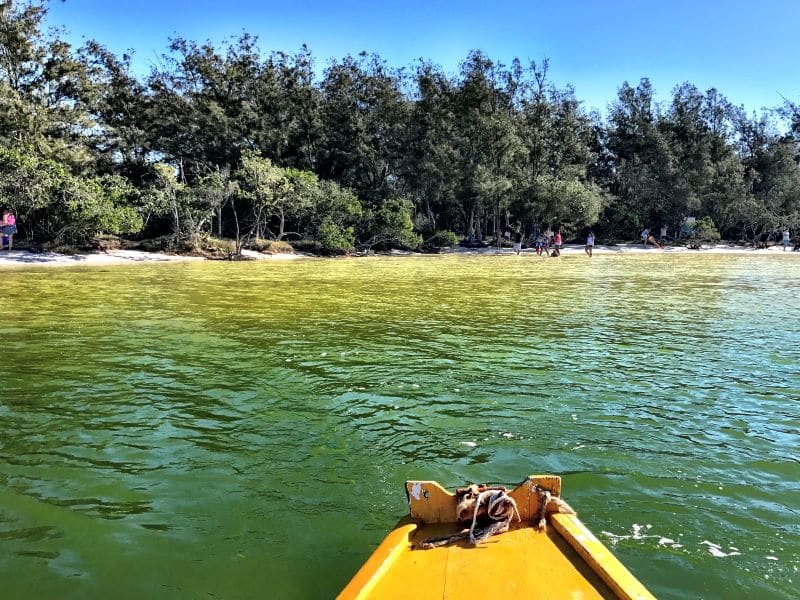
9 227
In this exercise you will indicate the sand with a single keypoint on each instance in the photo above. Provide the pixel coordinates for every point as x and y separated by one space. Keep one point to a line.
23 258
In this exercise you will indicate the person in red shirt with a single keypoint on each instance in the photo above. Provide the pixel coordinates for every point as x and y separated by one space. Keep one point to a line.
557 242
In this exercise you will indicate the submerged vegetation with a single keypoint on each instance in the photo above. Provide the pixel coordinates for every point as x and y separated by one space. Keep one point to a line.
234 143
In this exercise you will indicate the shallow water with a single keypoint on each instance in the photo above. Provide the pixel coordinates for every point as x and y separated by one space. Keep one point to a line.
244 430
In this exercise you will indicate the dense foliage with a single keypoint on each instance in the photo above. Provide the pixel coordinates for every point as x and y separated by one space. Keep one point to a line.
234 143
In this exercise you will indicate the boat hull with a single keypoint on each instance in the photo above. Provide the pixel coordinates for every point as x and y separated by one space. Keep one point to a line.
564 561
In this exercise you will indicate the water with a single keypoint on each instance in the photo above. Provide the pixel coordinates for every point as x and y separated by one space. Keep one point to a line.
225 430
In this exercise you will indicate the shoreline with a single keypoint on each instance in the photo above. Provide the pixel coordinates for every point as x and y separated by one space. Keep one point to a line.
23 258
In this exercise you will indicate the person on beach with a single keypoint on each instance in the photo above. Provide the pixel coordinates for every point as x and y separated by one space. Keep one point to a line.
786 238
589 243
557 243
648 238
548 234
9 228
541 245
517 240
663 234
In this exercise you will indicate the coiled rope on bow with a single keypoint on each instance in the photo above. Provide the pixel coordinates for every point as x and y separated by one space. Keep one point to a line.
490 511
492 505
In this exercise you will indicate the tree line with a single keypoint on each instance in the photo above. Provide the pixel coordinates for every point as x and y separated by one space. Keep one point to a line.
231 142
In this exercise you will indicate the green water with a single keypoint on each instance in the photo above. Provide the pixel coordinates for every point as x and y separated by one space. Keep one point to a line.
244 430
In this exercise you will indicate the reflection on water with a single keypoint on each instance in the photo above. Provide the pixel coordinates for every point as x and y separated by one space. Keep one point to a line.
244 430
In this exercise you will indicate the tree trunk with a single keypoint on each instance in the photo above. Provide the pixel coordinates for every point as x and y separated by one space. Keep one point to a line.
238 233
497 233
176 218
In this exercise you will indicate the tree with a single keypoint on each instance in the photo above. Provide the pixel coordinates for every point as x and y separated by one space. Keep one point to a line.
123 110
703 231
164 197
646 183
363 116
771 167
98 205
43 88
487 143
335 214
429 167
558 136
283 119
31 186
53 205
202 103
388 225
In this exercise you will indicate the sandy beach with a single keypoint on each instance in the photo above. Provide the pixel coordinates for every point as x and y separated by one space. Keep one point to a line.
23 258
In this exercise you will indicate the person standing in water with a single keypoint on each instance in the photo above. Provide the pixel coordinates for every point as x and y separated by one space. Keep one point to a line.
589 243
786 238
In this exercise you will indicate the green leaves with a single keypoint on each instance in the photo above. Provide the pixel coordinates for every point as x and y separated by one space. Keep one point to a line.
50 203
703 231
100 205
390 224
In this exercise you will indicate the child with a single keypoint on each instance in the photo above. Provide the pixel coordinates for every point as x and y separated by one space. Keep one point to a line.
589 243
541 244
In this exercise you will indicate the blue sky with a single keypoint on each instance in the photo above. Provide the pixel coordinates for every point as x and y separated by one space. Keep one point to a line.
749 50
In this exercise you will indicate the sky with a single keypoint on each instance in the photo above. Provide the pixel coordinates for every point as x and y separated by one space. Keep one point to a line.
749 50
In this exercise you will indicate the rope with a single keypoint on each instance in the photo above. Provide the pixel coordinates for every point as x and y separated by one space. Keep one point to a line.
548 504
500 508
541 516
479 504
492 504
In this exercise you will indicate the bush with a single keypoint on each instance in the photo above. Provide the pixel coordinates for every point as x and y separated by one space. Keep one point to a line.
442 238
335 239
271 246
389 226
159 244
703 231
307 245
167 243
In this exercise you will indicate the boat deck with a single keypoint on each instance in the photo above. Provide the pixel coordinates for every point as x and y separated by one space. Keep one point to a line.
520 562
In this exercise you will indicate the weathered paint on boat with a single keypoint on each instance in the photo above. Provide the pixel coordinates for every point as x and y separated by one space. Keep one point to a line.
565 561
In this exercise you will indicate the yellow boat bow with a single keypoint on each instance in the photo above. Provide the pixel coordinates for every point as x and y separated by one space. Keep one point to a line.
564 561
